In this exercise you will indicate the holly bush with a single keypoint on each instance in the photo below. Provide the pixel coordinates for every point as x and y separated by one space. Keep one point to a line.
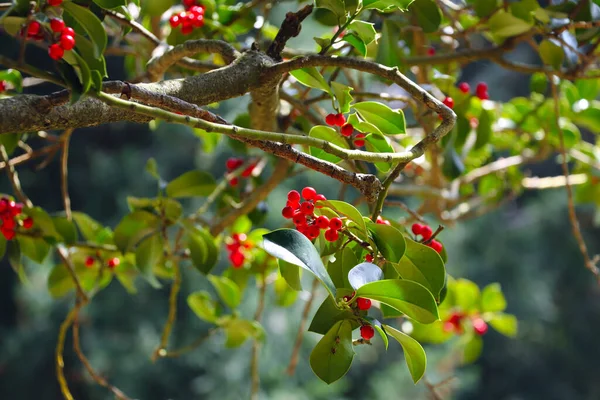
375 103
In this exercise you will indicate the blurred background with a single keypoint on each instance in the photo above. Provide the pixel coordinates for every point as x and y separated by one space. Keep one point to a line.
526 246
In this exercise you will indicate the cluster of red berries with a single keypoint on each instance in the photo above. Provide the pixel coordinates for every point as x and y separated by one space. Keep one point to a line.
234 163
481 90
426 232
191 18
366 331
65 36
303 215
346 130
111 263
9 211
454 324
237 244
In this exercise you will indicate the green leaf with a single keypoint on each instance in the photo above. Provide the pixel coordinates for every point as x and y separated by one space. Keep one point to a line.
423 265
3 244
364 273
484 128
332 356
386 5
453 166
342 95
538 83
42 222
388 121
291 274
203 306
472 349
345 260
10 141
89 227
387 51
311 77
414 354
12 25
81 69
133 228
335 6
349 211
466 294
409 297
524 9
35 249
86 50
364 30
13 77
152 168
293 247
504 25
379 328
389 241
237 331
90 23
327 315
589 89
492 299
429 16
203 251
227 290
589 118
191 184
330 135
484 8
377 143
505 324
66 229
285 296
13 253
147 255
551 53
110 4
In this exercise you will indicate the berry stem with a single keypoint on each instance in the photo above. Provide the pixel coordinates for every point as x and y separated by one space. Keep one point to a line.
439 229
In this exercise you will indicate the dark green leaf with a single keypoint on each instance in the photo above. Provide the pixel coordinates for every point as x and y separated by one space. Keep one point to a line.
409 297
484 128
484 8
364 273
364 30
332 356
191 184
81 69
3 244
291 274
377 143
335 6
504 25
203 251
92 25
429 15
414 354
133 228
89 228
237 331
389 241
13 253
327 315
66 229
424 265
293 247
110 4
387 51
35 249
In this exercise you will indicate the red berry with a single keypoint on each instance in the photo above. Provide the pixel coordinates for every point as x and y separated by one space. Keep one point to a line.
464 87
307 208
15 208
417 229
67 42
294 204
367 332
369 258
233 163
248 171
68 31
426 232
331 235
28 223
234 182
322 222
8 223
55 2
483 96
174 21
3 205
363 304
320 197
313 232
336 224
188 3
330 119
57 25
9 234
431 51
198 21
299 218
237 259
340 120
239 237
2 86
437 246
187 29
309 193
455 318
480 326
33 28
449 102
359 142
293 196
287 212
55 51
113 262
347 130
89 261
481 87
198 10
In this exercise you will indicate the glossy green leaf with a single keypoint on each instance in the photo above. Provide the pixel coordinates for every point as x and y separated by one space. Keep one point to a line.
504 25
227 290
13 253
311 77
342 95
492 299
364 273
386 5
505 324
409 297
424 265
327 315
293 247
349 211
377 143
364 30
203 305
330 135
337 7
332 356
388 121
291 274
203 251
85 48
551 53
191 184
133 228
147 254
414 354
387 51
484 8
389 241
90 23
453 166
429 15
379 328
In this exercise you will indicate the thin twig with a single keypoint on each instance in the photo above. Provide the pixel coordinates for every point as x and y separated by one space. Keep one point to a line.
254 359
184 350
14 178
164 340
63 253
64 182
291 369
60 346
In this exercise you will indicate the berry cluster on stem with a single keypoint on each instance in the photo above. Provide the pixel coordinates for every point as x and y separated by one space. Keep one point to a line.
426 232
234 163
454 323
9 213
111 263
190 19
346 129
237 245
481 90
302 213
